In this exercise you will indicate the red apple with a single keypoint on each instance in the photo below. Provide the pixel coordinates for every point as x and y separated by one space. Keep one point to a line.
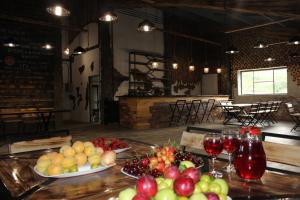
193 173
184 186
211 196
141 196
172 172
146 185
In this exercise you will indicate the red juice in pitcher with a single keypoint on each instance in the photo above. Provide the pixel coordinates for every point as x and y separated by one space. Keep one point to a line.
250 159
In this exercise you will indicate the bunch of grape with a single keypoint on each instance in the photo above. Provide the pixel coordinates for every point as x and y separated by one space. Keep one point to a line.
181 156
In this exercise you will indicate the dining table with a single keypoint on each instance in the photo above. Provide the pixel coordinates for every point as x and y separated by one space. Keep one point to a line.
19 181
44 115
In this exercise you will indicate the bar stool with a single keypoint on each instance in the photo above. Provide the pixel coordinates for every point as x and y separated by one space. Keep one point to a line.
207 110
177 110
193 110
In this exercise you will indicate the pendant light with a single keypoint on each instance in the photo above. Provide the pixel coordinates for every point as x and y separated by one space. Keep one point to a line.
232 50
206 68
10 43
174 63
58 8
108 16
47 46
146 26
219 70
260 45
294 40
154 64
79 50
269 59
191 66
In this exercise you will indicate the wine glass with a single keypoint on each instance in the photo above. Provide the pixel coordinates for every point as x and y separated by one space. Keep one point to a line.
231 144
213 145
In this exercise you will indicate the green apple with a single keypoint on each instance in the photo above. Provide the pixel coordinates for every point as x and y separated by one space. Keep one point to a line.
215 188
169 182
162 185
206 178
204 186
197 188
222 196
185 164
198 196
159 180
127 194
223 184
165 194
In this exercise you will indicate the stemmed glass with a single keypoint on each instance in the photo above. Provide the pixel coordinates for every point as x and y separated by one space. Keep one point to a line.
231 144
213 145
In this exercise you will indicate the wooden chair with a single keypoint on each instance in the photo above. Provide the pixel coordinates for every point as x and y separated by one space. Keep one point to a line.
177 110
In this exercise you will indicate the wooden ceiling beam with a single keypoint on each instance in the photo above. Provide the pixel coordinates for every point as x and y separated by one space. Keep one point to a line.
217 7
262 25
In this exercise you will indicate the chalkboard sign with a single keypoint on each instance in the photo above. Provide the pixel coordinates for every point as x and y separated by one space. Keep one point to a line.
27 71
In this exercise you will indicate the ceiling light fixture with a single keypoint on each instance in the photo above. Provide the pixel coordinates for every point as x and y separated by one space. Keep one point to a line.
269 59
47 46
175 65
260 45
219 70
192 68
10 43
58 9
294 40
67 51
79 50
154 64
232 50
108 16
146 26
205 70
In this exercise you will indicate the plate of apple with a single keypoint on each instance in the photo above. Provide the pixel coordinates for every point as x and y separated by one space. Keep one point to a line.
176 184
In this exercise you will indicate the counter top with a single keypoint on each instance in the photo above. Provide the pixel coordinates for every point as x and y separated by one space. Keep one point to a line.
172 96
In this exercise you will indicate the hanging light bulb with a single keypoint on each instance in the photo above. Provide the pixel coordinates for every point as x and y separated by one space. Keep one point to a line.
219 70
192 68
206 70
154 64
270 59
175 65
294 40
232 50
67 51
108 16
146 26
79 50
47 46
10 43
260 45
58 9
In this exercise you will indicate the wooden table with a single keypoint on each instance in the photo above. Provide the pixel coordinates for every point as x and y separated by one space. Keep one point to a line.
44 114
234 115
18 177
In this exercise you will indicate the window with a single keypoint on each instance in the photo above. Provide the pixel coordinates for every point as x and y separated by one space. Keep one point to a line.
264 81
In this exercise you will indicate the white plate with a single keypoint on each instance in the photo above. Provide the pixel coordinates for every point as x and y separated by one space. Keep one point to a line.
121 150
86 169
132 176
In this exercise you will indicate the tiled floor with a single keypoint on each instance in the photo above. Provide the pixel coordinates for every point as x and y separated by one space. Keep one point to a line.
158 136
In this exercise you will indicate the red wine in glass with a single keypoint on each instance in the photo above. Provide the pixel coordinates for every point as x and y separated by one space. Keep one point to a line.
213 145
231 144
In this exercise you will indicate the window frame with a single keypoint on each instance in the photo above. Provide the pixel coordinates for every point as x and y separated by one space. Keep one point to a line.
240 85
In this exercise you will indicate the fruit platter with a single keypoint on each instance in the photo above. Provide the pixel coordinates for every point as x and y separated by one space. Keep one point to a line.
79 159
176 184
155 163
111 144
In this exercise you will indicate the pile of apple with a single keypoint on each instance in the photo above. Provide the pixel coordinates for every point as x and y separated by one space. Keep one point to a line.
177 185
70 158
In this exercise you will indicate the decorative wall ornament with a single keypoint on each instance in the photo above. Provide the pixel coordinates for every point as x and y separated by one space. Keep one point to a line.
92 66
81 69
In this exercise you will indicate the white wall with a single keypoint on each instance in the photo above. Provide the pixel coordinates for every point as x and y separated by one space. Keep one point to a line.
85 39
127 38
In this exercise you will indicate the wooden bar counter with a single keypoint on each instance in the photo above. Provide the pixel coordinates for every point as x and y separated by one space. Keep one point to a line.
152 112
